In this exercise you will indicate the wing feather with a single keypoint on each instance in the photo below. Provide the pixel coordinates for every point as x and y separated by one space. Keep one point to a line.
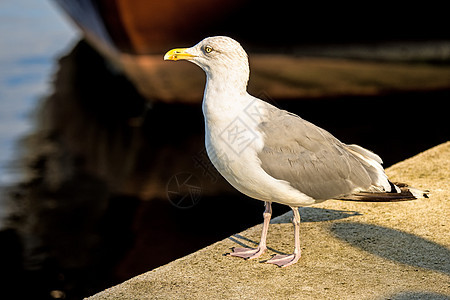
309 158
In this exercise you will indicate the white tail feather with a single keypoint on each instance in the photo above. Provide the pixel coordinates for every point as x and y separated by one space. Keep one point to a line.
373 163
365 152
418 193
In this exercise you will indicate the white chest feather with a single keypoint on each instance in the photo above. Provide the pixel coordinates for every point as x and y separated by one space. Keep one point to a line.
232 142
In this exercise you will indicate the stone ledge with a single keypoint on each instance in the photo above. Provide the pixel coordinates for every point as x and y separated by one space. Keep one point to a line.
351 250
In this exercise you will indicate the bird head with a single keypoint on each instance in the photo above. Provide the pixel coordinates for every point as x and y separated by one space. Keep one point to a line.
218 56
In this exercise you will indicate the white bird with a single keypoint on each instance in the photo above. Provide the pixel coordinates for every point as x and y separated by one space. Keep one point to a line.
271 154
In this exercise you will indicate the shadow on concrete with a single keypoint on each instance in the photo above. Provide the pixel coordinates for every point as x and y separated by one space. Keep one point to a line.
237 238
308 214
315 214
395 245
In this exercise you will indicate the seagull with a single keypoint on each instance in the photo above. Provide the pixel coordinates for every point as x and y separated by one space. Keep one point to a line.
271 154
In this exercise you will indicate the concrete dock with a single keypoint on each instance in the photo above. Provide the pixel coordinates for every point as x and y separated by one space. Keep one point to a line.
351 250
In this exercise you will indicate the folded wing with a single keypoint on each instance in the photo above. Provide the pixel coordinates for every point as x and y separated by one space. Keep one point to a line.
315 162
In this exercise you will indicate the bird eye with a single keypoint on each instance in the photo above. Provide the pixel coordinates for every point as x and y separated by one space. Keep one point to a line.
208 49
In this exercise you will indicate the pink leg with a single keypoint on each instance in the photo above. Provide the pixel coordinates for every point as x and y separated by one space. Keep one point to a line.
250 253
287 260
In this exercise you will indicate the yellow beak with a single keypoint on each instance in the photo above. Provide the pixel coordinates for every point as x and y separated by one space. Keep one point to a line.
177 54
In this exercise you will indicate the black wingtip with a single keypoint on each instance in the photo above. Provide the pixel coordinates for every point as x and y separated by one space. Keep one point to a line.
406 193
393 187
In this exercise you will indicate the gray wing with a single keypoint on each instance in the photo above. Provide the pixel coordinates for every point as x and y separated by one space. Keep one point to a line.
309 158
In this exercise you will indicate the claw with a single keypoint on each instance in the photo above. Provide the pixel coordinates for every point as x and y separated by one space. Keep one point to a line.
284 260
246 253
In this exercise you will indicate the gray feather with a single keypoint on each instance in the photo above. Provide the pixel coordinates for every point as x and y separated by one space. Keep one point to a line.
311 159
